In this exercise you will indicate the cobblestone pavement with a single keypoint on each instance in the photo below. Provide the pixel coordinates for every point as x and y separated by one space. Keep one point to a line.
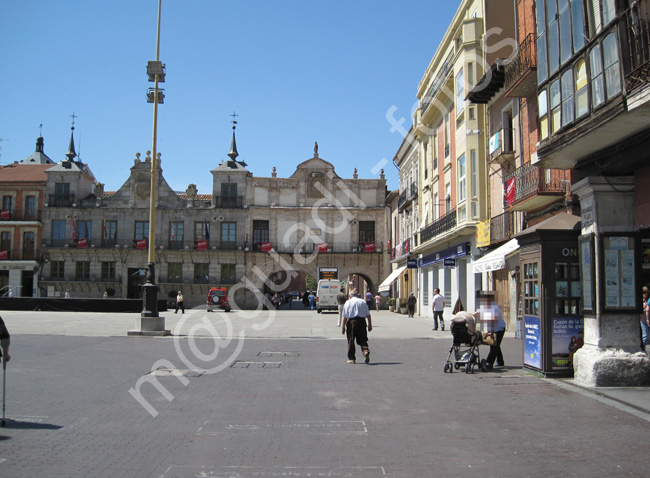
281 406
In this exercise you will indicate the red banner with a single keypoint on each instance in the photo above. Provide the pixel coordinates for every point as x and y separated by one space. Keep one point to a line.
369 247
266 246
5 214
140 243
82 243
322 247
510 191
202 245
4 255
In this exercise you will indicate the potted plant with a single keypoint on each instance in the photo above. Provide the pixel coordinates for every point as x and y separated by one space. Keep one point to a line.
402 307
391 304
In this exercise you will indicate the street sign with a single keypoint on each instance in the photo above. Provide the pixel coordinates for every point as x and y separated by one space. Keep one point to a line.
331 273
411 263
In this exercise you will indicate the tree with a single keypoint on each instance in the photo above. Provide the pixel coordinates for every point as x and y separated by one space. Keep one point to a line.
310 282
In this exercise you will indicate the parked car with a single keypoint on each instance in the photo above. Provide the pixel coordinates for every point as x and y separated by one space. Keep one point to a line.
218 299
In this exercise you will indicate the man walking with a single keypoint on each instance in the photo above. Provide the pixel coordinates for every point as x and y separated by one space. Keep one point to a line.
341 299
438 309
355 313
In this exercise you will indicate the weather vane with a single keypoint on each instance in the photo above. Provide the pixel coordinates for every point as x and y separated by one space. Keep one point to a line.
234 121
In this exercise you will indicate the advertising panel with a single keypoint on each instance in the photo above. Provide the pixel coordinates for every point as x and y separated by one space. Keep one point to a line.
532 341
567 337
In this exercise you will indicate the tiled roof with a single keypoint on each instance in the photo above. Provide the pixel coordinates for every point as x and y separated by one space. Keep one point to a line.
24 173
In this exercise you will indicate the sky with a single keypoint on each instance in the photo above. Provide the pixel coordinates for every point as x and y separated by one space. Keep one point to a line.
295 72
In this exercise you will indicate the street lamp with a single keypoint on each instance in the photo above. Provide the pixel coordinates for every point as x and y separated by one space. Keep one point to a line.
150 322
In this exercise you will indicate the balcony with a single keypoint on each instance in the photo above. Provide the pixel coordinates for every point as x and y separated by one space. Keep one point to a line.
20 215
502 228
501 147
637 25
521 70
18 255
436 85
61 200
530 187
228 202
444 224
406 197
490 84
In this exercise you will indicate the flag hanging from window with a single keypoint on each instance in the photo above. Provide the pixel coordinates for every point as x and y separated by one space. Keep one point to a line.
322 247
74 230
207 231
104 227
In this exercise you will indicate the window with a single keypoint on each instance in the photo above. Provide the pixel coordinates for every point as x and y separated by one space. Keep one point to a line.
174 272
201 231
228 274
609 11
108 271
581 93
436 207
577 24
567 97
542 62
57 270
30 208
82 270
109 233
553 37
447 134
542 105
8 203
84 230
260 232
474 172
462 179
58 233
62 197
229 195
366 232
176 232
228 235
447 198
5 243
460 93
435 151
141 230
531 289
610 61
28 245
597 81
425 289
566 45
556 112
201 273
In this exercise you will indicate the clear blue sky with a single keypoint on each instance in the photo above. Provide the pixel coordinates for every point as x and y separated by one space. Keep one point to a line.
295 72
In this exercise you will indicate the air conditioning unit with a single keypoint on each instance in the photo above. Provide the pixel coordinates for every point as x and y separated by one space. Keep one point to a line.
221 218
245 206
66 246
246 249
126 246
74 204
117 246
187 248
92 246
354 250
239 248
162 248
214 248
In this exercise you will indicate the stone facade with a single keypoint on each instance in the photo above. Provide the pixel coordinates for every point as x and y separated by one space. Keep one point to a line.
240 236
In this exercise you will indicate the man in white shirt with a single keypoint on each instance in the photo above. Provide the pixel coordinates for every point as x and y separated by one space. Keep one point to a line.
438 309
355 313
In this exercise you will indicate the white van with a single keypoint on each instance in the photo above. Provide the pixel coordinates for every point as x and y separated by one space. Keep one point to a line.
326 295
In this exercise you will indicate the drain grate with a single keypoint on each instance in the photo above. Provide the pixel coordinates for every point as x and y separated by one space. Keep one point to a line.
278 354
248 364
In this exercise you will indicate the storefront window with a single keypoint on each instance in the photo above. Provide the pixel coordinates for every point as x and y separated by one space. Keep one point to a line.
531 288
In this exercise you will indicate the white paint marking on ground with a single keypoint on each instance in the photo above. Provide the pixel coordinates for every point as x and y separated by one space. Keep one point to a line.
191 471
331 428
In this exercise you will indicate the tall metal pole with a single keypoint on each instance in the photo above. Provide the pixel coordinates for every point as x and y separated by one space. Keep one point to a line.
150 289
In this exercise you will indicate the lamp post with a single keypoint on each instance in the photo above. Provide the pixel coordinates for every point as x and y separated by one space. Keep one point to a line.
150 322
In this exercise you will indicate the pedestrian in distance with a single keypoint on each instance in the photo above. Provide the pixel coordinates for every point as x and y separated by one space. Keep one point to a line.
410 304
67 294
312 299
377 302
355 313
438 309
305 299
179 302
341 299
645 319
4 357
369 299
276 301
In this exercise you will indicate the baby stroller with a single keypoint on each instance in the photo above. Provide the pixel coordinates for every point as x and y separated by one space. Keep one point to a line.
465 350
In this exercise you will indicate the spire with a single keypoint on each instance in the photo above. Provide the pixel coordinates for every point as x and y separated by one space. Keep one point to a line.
71 154
233 144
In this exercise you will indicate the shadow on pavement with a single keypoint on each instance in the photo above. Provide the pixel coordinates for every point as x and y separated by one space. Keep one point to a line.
16 424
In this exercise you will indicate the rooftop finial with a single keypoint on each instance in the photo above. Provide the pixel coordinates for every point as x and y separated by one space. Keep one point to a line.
233 144
71 154
315 149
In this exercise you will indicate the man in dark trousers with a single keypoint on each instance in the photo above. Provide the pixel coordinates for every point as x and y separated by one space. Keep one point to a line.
355 313
341 299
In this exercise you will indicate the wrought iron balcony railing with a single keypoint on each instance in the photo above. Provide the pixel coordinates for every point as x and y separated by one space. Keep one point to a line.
529 181
637 25
442 225
522 63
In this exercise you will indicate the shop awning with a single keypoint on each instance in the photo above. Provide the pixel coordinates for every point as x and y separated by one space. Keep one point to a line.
384 286
495 260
